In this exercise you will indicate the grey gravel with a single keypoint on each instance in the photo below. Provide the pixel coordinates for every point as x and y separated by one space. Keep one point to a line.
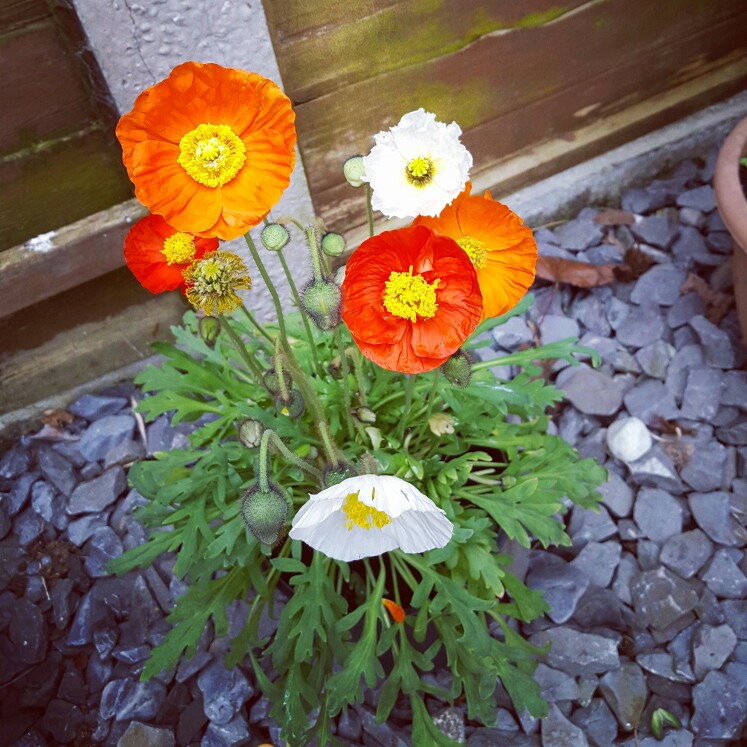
704 470
724 577
654 359
649 400
555 327
686 553
684 309
658 514
700 198
656 230
558 731
513 333
57 470
575 652
598 561
712 513
223 692
95 495
617 495
597 722
590 526
703 392
721 703
94 407
578 234
593 393
562 584
661 285
628 439
642 326
103 435
625 691
662 665
661 598
718 350
712 646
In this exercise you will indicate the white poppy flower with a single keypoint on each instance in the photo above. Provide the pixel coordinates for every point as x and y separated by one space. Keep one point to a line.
370 515
417 167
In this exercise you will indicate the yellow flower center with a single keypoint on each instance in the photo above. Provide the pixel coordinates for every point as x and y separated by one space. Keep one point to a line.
409 296
362 515
179 249
212 154
475 249
419 171
211 282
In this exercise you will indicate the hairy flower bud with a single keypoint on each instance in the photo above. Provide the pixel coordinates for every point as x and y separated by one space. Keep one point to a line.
334 368
250 432
270 379
321 301
333 244
365 415
265 512
335 475
354 171
274 237
209 329
458 369
293 407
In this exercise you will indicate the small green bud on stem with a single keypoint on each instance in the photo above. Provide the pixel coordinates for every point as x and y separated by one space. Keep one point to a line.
274 237
250 433
333 244
265 512
293 406
321 301
354 171
209 329
458 369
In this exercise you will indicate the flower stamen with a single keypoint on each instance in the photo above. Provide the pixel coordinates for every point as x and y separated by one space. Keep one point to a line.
211 283
362 515
179 249
475 249
409 296
419 172
212 154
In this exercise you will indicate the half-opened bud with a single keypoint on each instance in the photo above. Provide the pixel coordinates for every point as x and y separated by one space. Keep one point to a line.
458 369
250 433
333 244
265 512
292 407
321 301
209 329
271 381
354 171
274 237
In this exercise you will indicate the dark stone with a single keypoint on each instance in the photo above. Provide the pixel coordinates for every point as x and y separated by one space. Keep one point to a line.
642 326
62 720
13 464
5 523
721 703
98 673
658 514
686 553
349 725
704 470
73 688
579 234
104 434
144 735
125 453
600 608
735 435
97 494
703 391
661 598
617 495
93 407
558 731
661 285
81 530
592 392
719 242
556 685
578 653
700 198
654 359
28 526
662 665
103 547
590 311
561 583
724 577
192 721
625 691
657 470
717 348
679 367
649 400
231 733
597 722
735 392
712 513
383 733
684 309
590 526
223 691
63 599
712 646
656 230
598 561
57 470
42 499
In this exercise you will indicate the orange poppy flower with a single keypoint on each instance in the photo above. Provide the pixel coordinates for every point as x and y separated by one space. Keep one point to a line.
210 148
501 247
410 298
158 254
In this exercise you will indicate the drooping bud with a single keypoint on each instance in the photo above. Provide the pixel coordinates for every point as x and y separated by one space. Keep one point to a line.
365 415
335 475
250 432
458 369
209 329
274 237
210 283
265 512
354 171
321 301
271 381
334 368
333 244
441 423
293 407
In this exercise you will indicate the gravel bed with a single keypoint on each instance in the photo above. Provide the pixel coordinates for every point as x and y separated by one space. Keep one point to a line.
648 606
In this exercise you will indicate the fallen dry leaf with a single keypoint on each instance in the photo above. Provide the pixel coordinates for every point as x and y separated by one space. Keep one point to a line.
613 217
580 274
57 418
717 303
635 263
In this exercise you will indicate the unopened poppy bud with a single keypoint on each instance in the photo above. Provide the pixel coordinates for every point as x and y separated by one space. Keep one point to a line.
365 415
458 369
274 237
271 381
209 329
250 433
335 475
354 171
334 368
333 244
293 407
265 512
441 423
321 301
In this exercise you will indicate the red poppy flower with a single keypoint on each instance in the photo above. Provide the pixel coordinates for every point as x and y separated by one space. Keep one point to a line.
210 148
158 254
410 298
500 246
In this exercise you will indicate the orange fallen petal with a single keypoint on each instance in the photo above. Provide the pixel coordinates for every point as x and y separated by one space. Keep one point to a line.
397 613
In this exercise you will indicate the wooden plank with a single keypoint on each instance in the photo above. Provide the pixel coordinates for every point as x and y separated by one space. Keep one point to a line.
52 186
58 260
43 93
14 13
532 99
79 335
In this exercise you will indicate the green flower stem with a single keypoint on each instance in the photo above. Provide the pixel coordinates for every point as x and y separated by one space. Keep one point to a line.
263 480
289 219
248 314
358 363
409 384
288 455
238 343
552 350
307 392
304 318
397 557
316 262
284 393
369 210
346 401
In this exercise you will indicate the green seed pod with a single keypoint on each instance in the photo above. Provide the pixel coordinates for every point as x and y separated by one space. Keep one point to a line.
209 329
354 171
333 244
321 301
293 407
458 369
274 237
250 432
265 512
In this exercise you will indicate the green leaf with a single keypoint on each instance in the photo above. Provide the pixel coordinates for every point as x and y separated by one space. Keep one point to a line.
424 731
